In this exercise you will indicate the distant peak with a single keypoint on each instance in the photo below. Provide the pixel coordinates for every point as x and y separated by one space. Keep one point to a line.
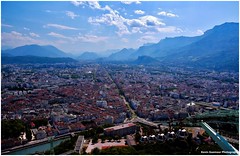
230 23
227 24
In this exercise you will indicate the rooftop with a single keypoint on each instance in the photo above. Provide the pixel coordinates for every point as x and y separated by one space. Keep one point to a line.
119 127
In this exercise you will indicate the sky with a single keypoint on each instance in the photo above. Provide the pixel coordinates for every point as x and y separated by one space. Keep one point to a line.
97 26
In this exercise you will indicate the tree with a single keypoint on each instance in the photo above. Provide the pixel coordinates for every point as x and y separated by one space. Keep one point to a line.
118 151
96 151
95 139
11 128
107 125
28 134
137 137
40 122
117 137
99 130
103 139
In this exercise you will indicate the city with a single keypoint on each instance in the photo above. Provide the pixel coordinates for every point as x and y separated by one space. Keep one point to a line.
71 96
120 77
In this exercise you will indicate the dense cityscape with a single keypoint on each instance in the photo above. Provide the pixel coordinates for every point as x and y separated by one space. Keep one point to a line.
68 98
119 77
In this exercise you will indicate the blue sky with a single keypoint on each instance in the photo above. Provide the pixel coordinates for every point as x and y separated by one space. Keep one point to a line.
78 26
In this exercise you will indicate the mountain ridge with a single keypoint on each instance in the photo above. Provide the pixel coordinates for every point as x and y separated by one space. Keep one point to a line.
36 50
217 48
88 56
204 51
124 54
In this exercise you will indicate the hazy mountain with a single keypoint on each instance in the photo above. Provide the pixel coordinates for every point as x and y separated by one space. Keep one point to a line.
36 50
34 59
217 48
220 38
145 60
165 46
88 56
5 52
6 47
148 44
108 52
123 54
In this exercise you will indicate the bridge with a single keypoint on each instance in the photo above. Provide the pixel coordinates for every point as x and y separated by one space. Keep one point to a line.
226 147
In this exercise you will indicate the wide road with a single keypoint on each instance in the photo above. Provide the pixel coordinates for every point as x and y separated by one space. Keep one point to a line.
124 99
134 115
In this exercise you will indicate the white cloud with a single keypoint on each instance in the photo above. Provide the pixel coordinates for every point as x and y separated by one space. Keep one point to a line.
144 24
53 12
96 21
91 4
139 12
124 40
151 21
145 21
136 30
199 32
60 27
48 11
16 33
80 38
15 39
77 3
7 25
53 34
92 38
130 2
94 5
112 18
147 39
26 28
169 29
33 34
168 14
135 23
71 14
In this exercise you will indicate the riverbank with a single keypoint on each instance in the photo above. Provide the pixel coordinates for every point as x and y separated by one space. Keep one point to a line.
34 144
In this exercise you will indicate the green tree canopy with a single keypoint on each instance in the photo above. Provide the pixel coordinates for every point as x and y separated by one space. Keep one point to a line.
12 128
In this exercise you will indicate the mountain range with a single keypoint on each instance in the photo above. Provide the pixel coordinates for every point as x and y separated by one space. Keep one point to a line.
88 56
122 55
35 50
217 48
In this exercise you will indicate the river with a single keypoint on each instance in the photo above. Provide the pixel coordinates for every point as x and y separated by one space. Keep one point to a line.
38 148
